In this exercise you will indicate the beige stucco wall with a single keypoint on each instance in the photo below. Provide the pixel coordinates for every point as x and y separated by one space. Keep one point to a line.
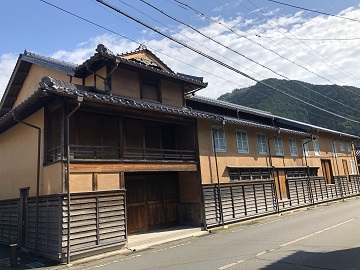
89 80
18 161
94 181
252 159
31 83
172 94
125 83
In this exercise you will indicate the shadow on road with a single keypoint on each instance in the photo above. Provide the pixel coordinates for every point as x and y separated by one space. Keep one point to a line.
340 259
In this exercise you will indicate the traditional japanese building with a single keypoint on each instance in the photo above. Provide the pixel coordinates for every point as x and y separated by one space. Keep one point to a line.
121 144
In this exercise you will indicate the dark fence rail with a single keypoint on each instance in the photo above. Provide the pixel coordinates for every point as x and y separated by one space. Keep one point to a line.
238 201
9 210
97 220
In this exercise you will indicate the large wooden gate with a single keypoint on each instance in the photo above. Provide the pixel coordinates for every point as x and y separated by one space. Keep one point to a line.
152 201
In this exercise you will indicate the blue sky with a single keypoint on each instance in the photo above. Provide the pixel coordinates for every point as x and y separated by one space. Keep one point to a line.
41 28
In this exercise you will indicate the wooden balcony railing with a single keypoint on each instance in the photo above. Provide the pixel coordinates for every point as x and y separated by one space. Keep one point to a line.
158 154
85 152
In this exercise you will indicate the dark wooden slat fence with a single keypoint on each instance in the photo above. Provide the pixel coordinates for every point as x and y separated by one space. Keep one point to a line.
243 200
240 200
97 220
9 210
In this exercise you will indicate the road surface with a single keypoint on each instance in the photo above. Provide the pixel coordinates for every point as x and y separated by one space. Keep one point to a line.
322 237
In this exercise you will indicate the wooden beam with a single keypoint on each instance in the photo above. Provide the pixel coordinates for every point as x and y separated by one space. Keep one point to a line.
142 167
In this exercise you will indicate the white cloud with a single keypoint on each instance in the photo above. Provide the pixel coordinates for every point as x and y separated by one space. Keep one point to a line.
331 59
7 64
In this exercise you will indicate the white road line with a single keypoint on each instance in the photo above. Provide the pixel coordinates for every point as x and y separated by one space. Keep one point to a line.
261 253
315 233
230 265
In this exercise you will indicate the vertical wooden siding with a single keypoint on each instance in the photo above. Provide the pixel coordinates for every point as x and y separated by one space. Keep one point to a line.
49 228
242 200
97 220
8 220
239 201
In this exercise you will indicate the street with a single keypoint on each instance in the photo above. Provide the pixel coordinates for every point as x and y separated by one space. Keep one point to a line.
322 237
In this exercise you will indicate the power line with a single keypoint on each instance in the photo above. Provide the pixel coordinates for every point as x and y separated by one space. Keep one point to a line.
315 11
327 59
216 60
125 37
248 58
310 39
135 41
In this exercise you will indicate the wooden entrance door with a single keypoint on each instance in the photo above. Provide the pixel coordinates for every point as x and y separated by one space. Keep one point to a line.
346 168
152 201
327 171
281 184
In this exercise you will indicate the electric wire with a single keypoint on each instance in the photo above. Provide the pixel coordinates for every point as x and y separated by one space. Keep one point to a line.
315 11
340 69
244 36
216 60
199 13
311 39
242 55
137 42
79 17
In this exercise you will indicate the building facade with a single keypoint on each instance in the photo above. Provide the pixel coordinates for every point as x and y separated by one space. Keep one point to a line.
120 145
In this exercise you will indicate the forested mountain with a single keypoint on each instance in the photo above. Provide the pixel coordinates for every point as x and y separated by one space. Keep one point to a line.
343 100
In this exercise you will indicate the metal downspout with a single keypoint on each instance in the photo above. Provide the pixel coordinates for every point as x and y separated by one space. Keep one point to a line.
37 178
217 174
308 172
79 100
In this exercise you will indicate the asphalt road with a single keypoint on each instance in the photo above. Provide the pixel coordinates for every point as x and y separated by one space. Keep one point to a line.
323 237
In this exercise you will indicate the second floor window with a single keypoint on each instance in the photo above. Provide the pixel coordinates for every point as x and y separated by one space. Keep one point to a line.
262 144
305 148
316 147
218 138
348 144
341 145
293 148
333 145
279 149
150 89
242 141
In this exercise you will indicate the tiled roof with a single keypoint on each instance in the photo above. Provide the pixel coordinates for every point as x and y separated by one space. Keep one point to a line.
50 86
69 89
68 67
277 119
61 88
229 105
102 51
143 48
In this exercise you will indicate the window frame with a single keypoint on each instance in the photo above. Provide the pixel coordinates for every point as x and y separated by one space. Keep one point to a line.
292 147
263 145
305 148
348 145
153 82
216 129
334 150
279 147
241 150
341 145
353 167
316 147
250 174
